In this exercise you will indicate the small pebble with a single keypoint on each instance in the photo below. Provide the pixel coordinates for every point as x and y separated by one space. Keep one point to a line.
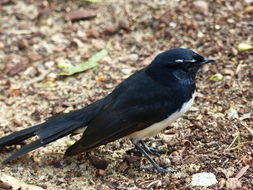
201 7
100 172
173 24
165 161
49 64
20 169
176 160
131 57
127 71
203 179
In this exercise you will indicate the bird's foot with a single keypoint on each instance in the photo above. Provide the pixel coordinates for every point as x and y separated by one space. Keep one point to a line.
157 152
145 150
159 169
152 151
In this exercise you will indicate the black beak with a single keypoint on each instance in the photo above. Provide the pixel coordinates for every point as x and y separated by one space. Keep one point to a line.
207 61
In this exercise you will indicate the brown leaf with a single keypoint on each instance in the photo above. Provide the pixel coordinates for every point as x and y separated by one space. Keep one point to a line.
248 10
19 67
15 92
44 13
5 185
110 29
124 23
242 171
93 33
233 183
132 159
246 161
80 14
33 56
17 122
99 163
6 2
36 115
23 44
228 72
191 159
122 167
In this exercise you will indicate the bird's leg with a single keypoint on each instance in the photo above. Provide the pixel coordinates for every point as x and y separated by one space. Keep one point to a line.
155 165
151 150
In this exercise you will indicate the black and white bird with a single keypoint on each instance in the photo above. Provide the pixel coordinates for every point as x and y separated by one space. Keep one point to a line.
141 106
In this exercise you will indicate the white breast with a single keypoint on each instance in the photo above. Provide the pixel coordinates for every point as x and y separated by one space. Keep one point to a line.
159 126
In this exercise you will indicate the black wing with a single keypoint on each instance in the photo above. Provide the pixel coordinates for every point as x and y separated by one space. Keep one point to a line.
135 104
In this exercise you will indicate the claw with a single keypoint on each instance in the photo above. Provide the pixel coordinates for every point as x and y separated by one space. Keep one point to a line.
145 150
157 152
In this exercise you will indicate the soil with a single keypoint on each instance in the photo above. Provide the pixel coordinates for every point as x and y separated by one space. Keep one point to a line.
214 136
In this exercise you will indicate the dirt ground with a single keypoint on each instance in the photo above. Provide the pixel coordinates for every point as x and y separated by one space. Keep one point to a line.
214 136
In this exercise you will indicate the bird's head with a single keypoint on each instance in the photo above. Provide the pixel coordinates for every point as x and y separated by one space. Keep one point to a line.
183 64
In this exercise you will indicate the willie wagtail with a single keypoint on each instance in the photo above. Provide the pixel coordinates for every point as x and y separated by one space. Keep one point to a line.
141 106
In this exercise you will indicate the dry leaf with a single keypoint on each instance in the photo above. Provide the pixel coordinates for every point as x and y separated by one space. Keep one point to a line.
99 163
17 184
233 183
242 171
80 14
19 67
122 167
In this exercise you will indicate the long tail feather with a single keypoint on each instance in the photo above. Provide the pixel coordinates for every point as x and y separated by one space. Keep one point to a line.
49 131
53 129
18 137
39 143
23 150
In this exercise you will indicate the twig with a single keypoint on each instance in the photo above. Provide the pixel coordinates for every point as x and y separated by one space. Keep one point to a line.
243 143
249 129
37 79
157 181
54 153
233 141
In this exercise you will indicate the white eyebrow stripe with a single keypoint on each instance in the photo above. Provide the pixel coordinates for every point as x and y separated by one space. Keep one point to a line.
192 60
189 61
